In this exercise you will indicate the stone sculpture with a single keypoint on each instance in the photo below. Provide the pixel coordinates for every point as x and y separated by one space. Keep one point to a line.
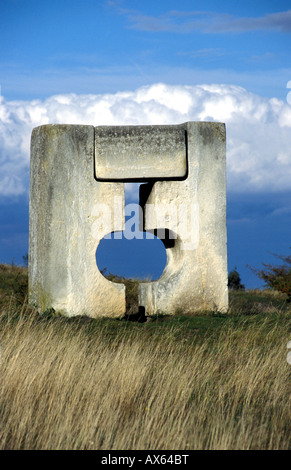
77 197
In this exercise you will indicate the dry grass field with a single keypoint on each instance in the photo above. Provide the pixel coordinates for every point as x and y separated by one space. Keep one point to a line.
185 382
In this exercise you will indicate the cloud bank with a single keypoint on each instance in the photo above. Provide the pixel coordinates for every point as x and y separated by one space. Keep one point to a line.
258 129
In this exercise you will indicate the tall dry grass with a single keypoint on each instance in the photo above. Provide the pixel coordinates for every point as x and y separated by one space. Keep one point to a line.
64 389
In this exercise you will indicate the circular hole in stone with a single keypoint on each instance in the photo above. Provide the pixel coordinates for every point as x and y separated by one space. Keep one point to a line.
140 259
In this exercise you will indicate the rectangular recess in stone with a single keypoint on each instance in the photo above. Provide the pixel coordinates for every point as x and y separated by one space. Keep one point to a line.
140 152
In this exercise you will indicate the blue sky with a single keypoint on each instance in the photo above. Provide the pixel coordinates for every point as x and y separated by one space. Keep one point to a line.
106 46
141 62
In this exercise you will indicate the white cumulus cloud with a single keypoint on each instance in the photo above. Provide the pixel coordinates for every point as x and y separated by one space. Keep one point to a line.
258 129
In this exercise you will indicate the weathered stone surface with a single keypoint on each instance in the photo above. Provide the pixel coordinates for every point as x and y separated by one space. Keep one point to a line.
195 277
68 201
140 152
63 234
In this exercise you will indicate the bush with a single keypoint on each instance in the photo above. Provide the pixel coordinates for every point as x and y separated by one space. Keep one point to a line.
277 277
234 280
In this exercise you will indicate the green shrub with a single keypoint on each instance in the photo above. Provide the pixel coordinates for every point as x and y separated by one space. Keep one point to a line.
277 277
234 280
